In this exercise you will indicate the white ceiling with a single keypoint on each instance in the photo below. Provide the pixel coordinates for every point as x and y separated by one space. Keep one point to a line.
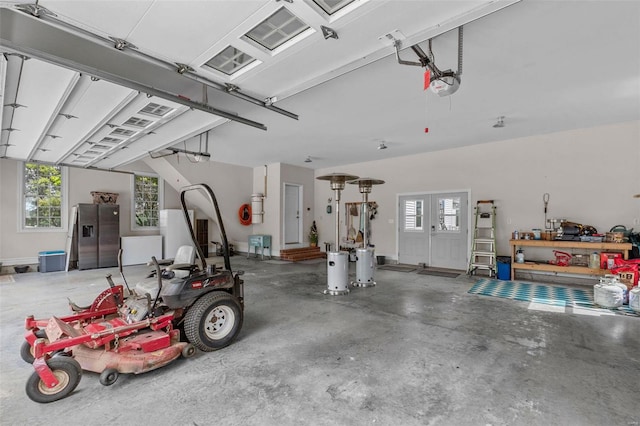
546 66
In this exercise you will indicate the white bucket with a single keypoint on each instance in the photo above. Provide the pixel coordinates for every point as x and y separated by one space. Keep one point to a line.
256 208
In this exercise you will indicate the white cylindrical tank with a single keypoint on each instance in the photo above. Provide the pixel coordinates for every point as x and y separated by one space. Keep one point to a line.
364 267
634 299
256 208
337 273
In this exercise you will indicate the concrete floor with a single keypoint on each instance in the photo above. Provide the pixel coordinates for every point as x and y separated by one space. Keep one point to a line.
414 350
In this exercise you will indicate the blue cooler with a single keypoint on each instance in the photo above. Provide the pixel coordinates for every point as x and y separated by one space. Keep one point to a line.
51 261
504 268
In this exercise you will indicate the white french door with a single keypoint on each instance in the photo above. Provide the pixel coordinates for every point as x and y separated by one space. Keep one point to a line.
433 229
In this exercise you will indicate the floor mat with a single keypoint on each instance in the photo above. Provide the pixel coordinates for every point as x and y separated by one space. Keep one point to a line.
436 273
543 294
397 268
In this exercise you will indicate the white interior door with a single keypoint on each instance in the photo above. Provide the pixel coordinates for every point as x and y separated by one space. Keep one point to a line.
449 230
292 214
433 229
413 234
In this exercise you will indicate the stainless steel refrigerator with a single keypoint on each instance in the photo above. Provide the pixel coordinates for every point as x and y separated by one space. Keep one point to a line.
98 235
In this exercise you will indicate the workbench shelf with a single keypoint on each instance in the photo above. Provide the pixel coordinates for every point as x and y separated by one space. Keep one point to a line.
624 248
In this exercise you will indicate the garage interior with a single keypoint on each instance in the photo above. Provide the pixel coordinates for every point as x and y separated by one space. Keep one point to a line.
533 105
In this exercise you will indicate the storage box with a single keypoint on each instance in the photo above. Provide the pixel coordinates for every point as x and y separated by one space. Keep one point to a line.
579 260
51 261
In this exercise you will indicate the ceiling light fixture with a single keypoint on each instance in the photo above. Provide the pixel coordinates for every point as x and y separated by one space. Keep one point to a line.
308 160
499 123
382 146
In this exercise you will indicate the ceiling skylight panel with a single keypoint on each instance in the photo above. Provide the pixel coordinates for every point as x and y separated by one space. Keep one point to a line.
230 60
332 6
156 109
277 29
137 122
123 132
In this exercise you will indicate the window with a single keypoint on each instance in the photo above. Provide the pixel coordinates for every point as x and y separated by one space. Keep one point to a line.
230 60
43 197
137 122
332 6
277 29
147 200
449 214
413 215
156 109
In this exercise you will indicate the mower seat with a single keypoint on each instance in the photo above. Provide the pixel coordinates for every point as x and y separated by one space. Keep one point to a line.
181 267
183 262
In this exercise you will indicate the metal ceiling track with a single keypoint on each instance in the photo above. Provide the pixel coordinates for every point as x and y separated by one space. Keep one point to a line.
25 35
124 46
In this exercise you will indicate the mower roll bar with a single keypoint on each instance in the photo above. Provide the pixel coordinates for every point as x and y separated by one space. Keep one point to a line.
223 235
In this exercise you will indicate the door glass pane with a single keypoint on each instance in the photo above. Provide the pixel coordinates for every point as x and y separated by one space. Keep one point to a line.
449 214
413 215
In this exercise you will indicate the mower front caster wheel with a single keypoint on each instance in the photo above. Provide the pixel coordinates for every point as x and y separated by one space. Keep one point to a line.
188 351
68 373
213 321
109 376
26 350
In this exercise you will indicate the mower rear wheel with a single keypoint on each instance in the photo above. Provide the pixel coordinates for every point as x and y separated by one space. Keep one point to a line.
26 350
109 376
213 321
68 373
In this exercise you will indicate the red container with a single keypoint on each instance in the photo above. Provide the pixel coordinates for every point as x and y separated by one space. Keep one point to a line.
606 256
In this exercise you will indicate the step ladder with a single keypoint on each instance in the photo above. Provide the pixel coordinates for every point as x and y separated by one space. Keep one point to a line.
483 248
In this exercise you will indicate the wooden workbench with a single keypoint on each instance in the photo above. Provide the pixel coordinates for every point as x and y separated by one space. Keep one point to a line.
555 244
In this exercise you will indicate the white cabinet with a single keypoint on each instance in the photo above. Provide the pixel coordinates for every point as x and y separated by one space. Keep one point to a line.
139 250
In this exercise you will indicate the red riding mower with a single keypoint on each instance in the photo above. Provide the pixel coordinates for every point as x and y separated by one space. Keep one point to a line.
137 331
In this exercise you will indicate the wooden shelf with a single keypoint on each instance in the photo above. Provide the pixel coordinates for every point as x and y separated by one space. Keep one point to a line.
545 267
555 268
573 244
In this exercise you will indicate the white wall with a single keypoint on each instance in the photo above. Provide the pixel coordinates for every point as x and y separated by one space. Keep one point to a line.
590 174
232 186
273 221
22 247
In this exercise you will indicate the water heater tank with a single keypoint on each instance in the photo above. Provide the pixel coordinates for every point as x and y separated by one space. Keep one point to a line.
256 208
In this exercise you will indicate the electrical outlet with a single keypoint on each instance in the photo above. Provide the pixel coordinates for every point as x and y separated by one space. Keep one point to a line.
636 221
508 221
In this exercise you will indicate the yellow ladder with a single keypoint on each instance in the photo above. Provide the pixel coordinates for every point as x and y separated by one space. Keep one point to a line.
483 248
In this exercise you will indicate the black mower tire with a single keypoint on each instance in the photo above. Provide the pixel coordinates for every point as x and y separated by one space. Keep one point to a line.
26 350
68 372
109 376
213 321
